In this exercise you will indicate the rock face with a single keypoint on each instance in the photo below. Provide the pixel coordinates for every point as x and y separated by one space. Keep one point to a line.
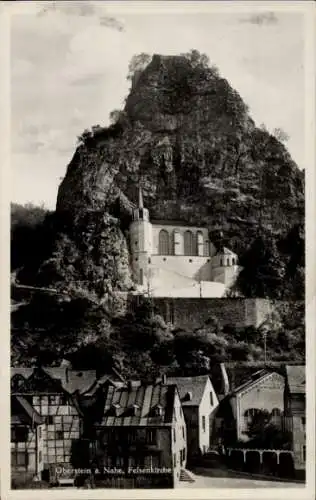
186 135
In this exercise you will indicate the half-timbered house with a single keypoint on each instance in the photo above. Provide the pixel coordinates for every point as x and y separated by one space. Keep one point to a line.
52 394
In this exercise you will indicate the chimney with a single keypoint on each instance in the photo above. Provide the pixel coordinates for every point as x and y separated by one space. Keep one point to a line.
225 381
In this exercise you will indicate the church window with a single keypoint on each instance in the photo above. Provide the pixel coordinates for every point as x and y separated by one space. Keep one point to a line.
227 262
221 263
188 243
163 242
199 243
234 262
249 415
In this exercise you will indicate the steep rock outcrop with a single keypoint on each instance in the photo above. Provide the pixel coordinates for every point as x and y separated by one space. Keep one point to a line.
188 137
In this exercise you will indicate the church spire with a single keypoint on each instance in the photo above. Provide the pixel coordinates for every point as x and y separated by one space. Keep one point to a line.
140 198
140 213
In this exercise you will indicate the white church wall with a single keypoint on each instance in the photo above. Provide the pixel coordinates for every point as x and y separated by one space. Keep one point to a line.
195 267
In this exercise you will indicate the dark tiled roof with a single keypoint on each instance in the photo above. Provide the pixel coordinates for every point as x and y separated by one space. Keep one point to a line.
72 380
193 385
29 412
118 409
24 371
296 378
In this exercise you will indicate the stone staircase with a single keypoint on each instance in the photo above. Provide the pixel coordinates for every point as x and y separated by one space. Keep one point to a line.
186 476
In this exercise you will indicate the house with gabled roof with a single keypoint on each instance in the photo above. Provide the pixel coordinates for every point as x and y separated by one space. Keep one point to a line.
295 412
263 390
199 401
27 427
140 436
52 393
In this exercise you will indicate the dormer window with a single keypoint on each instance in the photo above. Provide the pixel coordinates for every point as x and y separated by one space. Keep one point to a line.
115 409
158 411
135 410
188 396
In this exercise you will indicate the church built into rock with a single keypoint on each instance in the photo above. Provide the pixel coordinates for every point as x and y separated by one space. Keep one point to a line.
171 259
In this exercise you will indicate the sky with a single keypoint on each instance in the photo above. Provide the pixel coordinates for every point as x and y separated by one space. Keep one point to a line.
69 63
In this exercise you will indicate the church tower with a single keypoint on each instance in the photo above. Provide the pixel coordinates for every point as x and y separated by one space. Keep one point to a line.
141 242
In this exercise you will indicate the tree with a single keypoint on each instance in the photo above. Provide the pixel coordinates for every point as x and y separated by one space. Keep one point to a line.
264 434
138 63
280 134
263 270
116 115
197 59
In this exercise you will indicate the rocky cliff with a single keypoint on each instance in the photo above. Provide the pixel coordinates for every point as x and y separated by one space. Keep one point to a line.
187 136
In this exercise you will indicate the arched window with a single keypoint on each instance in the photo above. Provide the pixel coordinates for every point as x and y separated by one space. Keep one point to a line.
188 243
171 244
234 261
276 417
199 243
249 415
163 242
221 263
177 242
227 262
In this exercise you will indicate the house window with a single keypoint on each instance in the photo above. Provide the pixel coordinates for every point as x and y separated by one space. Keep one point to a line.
183 434
174 435
174 460
51 400
188 243
211 398
151 461
59 435
50 420
249 415
221 262
164 243
303 422
19 458
19 434
304 453
132 435
151 436
203 424
63 400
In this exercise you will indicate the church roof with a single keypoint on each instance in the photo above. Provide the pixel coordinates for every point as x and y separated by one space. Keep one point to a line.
225 251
